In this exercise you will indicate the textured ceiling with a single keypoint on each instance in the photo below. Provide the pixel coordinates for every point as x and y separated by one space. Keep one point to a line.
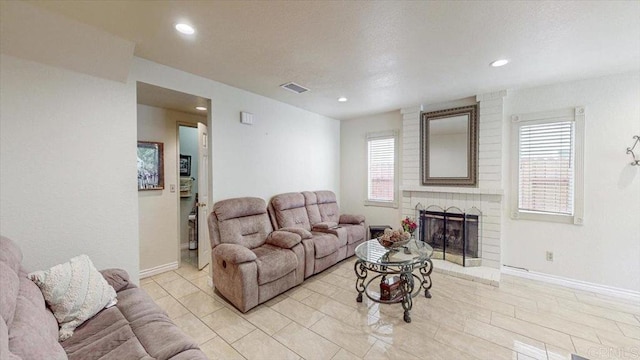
381 55
169 99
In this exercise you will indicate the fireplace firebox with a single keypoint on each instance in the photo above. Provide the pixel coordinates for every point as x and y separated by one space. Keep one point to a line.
453 234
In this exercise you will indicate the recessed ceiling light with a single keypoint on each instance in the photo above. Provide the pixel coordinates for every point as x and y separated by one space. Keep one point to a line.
185 29
498 63
342 99
201 108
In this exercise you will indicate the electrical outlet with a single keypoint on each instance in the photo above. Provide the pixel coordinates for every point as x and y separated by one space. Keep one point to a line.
549 256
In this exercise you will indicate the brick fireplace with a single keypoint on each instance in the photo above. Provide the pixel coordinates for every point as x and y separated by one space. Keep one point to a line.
487 197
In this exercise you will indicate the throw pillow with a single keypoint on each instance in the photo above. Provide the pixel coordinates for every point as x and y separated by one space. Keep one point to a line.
75 291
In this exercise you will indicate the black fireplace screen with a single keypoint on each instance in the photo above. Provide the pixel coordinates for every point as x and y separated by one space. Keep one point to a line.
453 236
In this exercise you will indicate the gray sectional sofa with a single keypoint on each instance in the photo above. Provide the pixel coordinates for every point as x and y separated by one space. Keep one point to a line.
259 252
135 328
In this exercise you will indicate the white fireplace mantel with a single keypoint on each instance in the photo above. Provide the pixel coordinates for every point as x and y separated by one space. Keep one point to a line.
452 190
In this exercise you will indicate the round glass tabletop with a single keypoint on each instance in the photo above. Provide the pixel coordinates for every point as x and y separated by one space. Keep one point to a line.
414 252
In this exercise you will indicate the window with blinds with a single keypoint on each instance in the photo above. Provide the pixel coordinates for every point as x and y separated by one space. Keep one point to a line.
546 172
547 165
381 168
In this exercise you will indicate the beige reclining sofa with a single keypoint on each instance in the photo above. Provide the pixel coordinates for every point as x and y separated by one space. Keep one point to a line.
334 236
252 263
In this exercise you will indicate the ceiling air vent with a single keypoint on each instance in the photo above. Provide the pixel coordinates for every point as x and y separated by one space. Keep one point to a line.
294 87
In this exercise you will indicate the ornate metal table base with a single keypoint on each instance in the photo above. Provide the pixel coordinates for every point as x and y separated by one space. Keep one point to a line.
407 284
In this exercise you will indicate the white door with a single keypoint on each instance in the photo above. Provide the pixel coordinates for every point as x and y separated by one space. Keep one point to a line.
204 246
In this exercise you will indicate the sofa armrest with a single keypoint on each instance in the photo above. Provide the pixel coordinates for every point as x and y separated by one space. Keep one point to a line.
325 225
117 278
351 219
234 253
283 239
304 233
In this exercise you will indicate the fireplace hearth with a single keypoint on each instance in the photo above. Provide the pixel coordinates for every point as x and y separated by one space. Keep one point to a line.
453 234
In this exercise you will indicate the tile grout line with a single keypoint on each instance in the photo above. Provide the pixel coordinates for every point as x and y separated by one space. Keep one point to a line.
553 303
302 357
492 342
542 341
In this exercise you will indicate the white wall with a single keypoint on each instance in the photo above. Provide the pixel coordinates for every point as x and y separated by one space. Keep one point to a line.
67 168
67 186
158 210
287 149
606 249
354 167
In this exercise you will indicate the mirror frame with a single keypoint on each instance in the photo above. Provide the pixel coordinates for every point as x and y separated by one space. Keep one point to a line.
472 155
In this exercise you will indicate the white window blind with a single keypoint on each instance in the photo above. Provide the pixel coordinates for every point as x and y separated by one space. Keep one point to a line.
546 167
381 168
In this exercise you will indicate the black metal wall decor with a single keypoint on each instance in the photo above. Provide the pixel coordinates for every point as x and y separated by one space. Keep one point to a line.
636 161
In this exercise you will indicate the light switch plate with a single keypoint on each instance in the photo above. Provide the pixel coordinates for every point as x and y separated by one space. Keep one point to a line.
172 188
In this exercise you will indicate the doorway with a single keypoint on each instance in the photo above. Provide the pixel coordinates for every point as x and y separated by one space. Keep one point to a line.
165 213
188 207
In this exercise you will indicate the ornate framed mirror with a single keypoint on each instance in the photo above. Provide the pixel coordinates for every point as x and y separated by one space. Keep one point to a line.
449 147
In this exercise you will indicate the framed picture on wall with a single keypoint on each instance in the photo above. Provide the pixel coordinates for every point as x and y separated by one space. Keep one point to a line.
185 165
150 165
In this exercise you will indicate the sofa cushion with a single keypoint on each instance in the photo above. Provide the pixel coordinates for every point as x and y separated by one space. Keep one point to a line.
4 343
325 225
339 232
234 254
108 333
284 239
351 219
248 231
325 244
33 329
117 278
326 196
9 283
311 204
10 254
288 201
328 206
290 211
239 207
355 233
274 262
304 234
136 328
75 291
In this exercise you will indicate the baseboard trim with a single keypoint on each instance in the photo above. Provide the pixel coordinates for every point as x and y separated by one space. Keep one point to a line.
158 269
572 283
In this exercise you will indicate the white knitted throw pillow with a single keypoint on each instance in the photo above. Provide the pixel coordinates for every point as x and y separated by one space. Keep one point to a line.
75 291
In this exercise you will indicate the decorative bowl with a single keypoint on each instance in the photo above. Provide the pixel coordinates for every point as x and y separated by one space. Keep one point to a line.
388 244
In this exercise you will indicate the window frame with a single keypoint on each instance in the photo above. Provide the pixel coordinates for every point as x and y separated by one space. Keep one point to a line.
575 115
377 136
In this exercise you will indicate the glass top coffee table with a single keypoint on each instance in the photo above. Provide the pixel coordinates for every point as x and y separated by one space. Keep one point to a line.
394 264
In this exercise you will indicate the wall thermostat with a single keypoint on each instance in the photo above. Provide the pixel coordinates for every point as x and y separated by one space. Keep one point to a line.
246 118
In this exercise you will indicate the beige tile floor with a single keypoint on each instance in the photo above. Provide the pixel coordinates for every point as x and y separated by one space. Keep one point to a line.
320 319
